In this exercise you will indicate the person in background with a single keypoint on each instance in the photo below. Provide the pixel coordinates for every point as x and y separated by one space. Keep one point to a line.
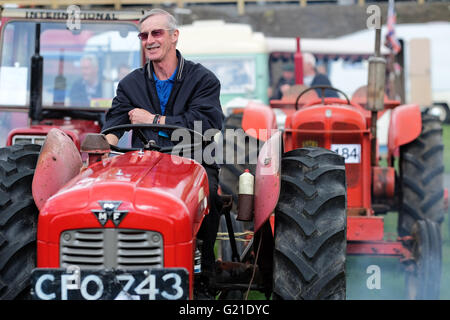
321 68
311 77
123 71
89 85
286 81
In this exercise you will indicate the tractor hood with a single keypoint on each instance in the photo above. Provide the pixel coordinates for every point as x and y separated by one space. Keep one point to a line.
331 117
149 190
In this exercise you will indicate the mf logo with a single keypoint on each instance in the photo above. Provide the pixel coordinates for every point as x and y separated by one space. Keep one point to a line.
374 280
110 212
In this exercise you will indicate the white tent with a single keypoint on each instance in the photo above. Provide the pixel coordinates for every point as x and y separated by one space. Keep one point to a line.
113 41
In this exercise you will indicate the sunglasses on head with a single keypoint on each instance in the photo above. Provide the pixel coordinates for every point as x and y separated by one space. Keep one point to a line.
157 33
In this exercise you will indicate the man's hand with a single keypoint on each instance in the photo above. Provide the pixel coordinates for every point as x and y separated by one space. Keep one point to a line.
284 89
140 116
112 139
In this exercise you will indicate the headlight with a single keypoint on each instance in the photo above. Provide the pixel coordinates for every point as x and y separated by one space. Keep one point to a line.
24 139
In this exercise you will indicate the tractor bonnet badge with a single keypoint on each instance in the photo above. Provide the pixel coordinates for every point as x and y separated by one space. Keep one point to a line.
110 212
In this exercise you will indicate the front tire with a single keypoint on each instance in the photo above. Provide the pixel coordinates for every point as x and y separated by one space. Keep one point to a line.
18 220
310 226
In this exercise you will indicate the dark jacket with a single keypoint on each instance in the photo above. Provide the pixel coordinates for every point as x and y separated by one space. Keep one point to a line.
194 97
278 94
322 80
78 94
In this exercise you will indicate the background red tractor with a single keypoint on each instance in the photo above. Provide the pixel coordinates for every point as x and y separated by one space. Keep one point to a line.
41 65
409 182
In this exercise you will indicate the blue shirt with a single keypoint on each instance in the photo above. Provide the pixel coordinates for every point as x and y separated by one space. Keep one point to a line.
163 89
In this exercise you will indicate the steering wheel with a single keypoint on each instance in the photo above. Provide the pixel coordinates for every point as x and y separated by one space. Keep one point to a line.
323 88
151 145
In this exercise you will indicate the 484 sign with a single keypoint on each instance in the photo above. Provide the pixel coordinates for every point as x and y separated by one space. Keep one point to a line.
350 152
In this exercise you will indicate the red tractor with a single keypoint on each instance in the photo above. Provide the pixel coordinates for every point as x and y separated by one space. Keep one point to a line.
82 220
411 182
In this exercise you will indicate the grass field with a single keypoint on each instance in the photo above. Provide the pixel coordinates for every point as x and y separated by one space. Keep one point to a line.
446 138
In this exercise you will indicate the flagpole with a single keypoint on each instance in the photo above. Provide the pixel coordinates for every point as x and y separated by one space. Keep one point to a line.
391 76
378 42
392 43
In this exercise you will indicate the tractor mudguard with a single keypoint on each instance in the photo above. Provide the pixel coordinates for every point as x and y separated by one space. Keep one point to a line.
258 121
267 179
59 161
405 126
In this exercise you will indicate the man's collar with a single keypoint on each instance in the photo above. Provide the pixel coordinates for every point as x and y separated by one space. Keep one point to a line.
180 67
171 78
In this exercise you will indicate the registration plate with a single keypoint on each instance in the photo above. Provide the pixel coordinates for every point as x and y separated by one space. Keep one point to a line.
350 152
76 284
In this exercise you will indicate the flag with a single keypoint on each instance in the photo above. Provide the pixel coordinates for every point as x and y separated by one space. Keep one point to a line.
391 40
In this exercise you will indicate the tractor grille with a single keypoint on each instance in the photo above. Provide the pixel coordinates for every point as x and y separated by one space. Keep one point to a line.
311 139
338 125
111 248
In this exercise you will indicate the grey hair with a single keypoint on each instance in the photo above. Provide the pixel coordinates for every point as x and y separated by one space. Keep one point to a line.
309 58
92 58
172 23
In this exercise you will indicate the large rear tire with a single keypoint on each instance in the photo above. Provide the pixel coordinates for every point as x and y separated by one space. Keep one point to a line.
310 226
422 177
18 220
441 110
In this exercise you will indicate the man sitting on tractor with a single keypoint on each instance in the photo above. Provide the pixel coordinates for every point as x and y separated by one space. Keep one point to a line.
174 91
